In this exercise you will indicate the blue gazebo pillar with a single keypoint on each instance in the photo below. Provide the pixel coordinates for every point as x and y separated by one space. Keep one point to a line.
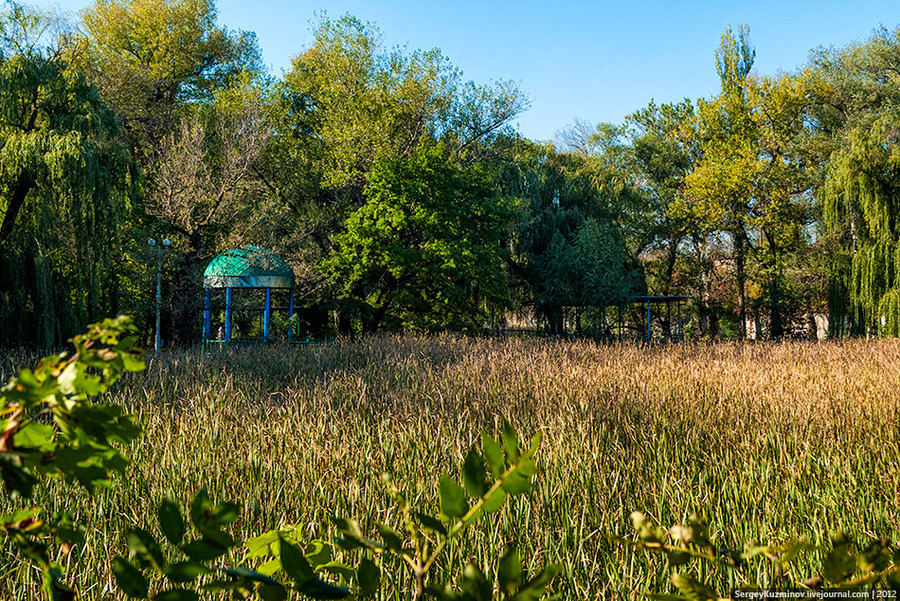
291 316
207 318
267 314
228 310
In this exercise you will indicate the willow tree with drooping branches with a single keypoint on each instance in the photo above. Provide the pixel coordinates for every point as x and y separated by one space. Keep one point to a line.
62 170
860 118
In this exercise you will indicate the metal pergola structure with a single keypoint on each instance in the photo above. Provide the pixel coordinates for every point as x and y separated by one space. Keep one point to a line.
246 267
658 301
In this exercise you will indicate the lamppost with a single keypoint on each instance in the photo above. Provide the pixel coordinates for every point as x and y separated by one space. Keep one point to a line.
159 255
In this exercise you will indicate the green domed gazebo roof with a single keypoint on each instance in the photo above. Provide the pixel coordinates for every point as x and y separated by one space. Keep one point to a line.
248 266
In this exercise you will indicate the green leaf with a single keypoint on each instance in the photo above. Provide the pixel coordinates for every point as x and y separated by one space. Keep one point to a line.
226 513
143 546
526 467
535 443
37 436
319 589
475 584
353 537
793 548
272 592
691 589
129 579
840 563
217 586
185 571
494 500
12 519
204 550
510 442
493 454
677 558
262 545
318 553
875 557
170 521
474 474
270 567
515 483
509 572
248 574
335 568
294 563
201 509
176 594
369 577
430 523
453 497
390 537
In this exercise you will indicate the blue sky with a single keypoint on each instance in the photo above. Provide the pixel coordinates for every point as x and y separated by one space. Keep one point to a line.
596 61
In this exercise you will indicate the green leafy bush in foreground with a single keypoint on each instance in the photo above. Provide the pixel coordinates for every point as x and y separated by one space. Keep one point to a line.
690 555
52 428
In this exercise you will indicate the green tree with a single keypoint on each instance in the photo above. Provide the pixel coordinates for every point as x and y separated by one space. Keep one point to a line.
567 244
347 105
754 180
62 174
858 123
665 147
719 182
424 252
149 58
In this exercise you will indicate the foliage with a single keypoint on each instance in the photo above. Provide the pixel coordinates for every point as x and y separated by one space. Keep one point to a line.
689 549
80 448
425 248
61 187
566 244
858 123
150 58
52 428
347 109
489 479
190 576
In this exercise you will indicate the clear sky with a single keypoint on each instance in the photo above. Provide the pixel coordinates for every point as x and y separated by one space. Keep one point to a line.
597 61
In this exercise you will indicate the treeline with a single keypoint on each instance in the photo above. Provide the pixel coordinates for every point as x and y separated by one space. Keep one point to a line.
405 200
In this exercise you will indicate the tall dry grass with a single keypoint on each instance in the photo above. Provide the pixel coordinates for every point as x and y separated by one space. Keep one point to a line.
768 441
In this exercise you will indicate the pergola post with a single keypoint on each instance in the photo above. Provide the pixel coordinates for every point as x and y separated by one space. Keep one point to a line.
228 310
291 316
207 317
267 314
648 321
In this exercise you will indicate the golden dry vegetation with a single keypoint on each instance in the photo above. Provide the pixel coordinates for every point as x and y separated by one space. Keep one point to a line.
767 441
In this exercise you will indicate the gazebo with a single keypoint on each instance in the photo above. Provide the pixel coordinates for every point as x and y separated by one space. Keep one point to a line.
247 267
675 335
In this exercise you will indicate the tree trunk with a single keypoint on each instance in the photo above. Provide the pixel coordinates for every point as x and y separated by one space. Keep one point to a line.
23 186
556 321
671 257
776 326
740 250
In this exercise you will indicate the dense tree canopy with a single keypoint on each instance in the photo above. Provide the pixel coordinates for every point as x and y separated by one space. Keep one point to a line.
150 57
425 251
61 177
404 199
861 191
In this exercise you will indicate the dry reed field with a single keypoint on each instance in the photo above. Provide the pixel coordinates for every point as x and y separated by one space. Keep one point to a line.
767 441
